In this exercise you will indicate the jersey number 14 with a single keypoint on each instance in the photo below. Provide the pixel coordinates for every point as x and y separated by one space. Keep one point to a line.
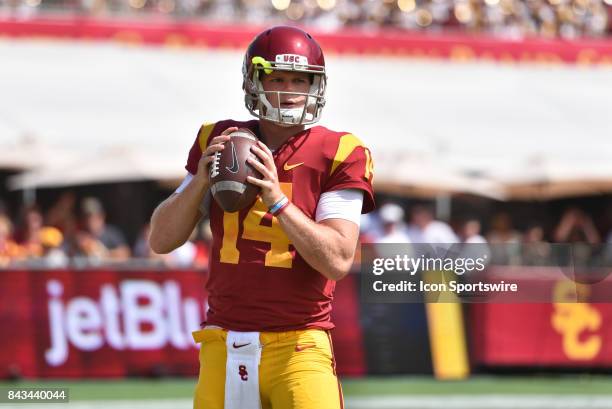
278 255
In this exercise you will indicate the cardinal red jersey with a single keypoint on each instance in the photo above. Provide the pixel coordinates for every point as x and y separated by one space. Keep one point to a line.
258 281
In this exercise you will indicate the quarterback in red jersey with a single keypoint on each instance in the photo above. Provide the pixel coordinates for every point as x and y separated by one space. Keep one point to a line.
274 265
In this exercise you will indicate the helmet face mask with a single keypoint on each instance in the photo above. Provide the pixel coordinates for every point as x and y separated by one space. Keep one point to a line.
291 50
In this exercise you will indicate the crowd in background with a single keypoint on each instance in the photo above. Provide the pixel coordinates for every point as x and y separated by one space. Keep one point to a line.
79 236
76 234
506 18
575 238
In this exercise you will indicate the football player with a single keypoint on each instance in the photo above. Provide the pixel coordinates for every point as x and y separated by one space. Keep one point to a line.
274 265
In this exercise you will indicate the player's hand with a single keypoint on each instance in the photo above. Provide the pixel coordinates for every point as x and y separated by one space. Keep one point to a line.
217 144
270 188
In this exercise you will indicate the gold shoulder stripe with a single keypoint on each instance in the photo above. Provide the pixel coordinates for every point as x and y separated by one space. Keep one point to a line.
347 145
204 134
369 165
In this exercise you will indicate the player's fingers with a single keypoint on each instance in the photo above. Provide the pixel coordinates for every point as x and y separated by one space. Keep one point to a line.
260 167
213 148
256 182
264 147
229 130
219 139
270 157
207 158
259 153
267 160
204 165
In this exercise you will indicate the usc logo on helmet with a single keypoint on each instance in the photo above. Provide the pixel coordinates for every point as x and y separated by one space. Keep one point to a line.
292 58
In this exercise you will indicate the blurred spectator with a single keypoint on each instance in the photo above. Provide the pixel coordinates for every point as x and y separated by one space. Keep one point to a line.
502 230
51 240
474 245
505 240
70 230
608 250
390 229
9 249
470 232
62 213
99 240
143 251
370 227
425 229
535 251
29 234
506 18
141 247
576 227
393 228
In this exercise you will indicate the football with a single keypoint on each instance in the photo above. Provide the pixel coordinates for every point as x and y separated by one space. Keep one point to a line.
229 170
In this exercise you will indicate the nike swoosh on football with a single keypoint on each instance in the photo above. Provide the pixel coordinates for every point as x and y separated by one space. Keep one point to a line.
300 348
235 166
286 166
240 345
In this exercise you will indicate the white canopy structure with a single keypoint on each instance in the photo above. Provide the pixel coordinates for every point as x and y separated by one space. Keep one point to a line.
424 120
32 153
118 164
422 176
545 178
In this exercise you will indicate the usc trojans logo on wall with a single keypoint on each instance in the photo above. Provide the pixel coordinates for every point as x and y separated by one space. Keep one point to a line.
577 323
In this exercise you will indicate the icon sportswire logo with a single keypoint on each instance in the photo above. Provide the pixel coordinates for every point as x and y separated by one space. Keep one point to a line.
235 166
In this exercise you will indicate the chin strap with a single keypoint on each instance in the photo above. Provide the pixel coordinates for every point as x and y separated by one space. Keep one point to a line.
292 116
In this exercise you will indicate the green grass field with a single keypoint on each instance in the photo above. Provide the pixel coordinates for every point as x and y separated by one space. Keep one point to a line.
180 388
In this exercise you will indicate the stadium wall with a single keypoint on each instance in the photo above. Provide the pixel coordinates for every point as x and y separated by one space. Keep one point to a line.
108 323
185 33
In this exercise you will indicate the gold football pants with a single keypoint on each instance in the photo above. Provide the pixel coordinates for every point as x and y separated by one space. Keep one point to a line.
297 370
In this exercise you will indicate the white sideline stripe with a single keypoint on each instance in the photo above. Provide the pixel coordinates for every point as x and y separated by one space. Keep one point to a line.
482 402
380 402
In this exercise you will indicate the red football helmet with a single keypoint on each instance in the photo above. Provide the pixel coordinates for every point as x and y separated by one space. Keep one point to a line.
284 48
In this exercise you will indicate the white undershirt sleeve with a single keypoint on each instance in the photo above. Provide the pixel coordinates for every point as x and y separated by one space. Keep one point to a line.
205 205
340 204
